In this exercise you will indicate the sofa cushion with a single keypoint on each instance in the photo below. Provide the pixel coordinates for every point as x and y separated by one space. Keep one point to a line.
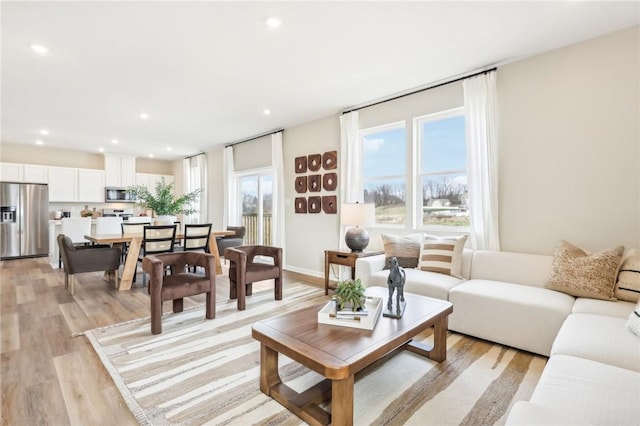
430 284
628 283
526 413
511 267
517 315
598 338
589 391
442 254
585 305
580 274
406 249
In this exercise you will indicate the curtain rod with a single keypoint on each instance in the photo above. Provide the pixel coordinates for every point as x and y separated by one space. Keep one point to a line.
195 155
255 137
424 89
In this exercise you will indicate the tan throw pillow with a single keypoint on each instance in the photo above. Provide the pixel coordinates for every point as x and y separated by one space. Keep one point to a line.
442 254
581 274
628 285
405 249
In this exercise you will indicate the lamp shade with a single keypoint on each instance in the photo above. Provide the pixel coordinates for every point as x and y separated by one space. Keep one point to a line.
357 214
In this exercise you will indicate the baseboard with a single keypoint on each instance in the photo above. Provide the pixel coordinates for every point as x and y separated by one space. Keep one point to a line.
306 275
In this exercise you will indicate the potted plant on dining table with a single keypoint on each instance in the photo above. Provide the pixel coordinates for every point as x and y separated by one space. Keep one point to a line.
165 205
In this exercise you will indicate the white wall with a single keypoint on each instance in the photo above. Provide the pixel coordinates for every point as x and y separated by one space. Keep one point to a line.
308 235
569 146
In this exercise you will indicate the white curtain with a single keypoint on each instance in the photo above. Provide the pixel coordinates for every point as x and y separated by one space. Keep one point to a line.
195 177
230 216
278 214
480 106
350 164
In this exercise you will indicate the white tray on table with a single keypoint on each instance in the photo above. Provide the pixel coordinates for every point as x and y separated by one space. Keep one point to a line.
327 315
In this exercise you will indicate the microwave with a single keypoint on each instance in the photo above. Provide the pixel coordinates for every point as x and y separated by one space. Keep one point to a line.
118 195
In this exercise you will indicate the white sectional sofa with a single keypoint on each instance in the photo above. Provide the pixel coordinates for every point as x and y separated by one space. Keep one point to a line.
593 373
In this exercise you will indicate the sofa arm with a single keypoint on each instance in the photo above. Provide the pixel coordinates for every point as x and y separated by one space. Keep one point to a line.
366 266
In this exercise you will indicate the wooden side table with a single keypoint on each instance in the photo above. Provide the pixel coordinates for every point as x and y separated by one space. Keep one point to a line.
344 258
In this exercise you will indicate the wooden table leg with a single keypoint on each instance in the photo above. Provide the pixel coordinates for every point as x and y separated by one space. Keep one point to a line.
213 249
439 351
342 402
130 263
269 376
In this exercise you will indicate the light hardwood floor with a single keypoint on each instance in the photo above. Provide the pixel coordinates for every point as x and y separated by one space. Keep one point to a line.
50 377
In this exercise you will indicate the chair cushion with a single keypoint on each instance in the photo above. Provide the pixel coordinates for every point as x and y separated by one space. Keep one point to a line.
585 305
257 272
430 284
183 285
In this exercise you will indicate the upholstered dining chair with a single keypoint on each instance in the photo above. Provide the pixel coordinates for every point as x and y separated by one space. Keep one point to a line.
75 228
77 260
108 225
234 240
245 269
180 283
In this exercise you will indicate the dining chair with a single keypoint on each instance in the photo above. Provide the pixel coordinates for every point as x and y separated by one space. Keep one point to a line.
75 228
157 239
108 225
132 228
196 238
139 219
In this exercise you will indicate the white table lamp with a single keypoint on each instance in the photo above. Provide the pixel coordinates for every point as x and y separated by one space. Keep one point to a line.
357 215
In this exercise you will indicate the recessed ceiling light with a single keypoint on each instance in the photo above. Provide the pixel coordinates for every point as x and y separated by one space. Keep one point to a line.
273 22
101 149
44 132
168 148
39 142
39 49
266 111
114 141
150 155
144 115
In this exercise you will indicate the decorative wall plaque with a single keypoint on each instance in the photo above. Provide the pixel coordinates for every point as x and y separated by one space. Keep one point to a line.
314 204
301 184
301 164
330 160
315 162
301 204
330 204
329 181
315 183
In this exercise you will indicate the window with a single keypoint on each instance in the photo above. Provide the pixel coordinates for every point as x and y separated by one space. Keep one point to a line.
442 169
256 201
384 172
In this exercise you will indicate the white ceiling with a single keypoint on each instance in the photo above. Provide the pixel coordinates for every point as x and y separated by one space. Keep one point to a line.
204 71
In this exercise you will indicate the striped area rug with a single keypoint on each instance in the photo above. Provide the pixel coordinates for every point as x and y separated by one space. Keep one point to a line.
206 372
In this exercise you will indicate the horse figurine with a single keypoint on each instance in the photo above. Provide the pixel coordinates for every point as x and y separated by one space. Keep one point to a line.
395 281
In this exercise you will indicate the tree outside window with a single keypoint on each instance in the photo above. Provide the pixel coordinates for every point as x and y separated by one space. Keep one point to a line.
442 174
384 172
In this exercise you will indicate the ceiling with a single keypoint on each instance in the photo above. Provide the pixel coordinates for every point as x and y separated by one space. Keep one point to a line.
205 71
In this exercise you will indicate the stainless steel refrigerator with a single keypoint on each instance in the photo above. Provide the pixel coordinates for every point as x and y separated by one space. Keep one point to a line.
24 217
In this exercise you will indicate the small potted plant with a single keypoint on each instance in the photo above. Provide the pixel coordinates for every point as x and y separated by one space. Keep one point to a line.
350 294
164 203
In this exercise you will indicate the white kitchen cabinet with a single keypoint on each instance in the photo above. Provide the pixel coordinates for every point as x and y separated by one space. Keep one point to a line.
63 184
36 174
91 185
11 172
120 170
149 180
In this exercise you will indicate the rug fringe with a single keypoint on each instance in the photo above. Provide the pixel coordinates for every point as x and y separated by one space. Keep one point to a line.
134 406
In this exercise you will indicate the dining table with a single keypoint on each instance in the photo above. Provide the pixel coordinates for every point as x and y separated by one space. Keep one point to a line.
135 243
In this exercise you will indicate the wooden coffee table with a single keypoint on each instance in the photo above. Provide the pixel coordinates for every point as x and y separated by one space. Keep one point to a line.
338 353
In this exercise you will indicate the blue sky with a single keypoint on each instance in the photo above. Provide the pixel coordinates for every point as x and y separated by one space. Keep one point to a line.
384 153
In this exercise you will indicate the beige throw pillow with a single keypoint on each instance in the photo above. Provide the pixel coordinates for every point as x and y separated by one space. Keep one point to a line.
581 274
628 285
442 254
405 249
